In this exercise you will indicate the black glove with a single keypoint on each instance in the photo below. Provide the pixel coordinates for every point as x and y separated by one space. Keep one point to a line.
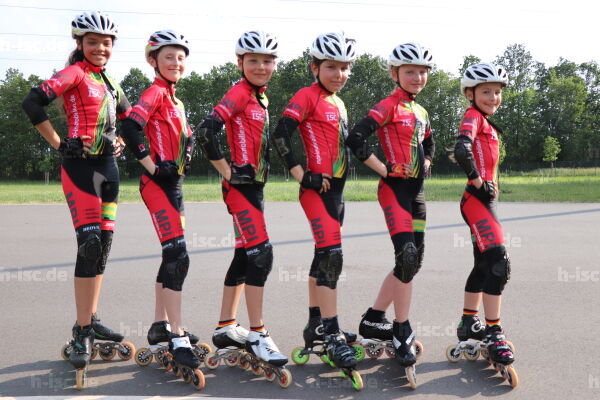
71 148
486 192
312 181
166 170
242 174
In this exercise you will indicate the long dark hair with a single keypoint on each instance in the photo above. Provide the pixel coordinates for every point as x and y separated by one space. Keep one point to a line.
77 54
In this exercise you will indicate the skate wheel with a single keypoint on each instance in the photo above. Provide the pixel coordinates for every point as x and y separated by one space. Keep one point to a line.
419 349
452 355
269 374
211 361
285 378
187 376
65 351
126 351
484 352
80 379
374 352
108 355
168 362
511 345
472 355
94 353
257 369
359 352
390 352
411 375
177 371
324 358
512 376
357 382
244 363
202 350
298 357
198 379
232 359
143 357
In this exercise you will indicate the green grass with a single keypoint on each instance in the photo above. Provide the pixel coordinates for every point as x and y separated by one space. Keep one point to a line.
546 185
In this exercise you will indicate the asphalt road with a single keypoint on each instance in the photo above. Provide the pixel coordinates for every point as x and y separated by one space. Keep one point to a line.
550 309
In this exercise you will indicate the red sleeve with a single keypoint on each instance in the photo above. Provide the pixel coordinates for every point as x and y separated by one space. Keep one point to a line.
146 106
234 102
300 106
62 81
470 124
382 112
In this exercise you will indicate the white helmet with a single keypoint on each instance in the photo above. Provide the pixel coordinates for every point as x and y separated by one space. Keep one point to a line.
166 37
93 22
483 73
259 42
410 54
334 46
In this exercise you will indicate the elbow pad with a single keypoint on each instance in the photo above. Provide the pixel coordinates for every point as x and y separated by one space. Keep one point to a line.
131 132
463 152
283 142
357 139
206 135
34 104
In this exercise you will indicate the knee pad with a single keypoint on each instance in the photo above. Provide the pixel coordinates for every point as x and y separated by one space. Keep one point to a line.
236 274
106 239
498 270
407 262
176 263
89 252
260 262
329 266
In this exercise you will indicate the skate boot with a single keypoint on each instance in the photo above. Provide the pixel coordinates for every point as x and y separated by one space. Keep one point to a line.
81 352
405 349
377 336
470 334
109 343
500 353
182 360
159 333
230 341
158 338
341 355
262 356
313 343
470 327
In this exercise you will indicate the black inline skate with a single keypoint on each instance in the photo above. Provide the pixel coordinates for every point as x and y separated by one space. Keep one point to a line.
107 343
377 338
341 355
182 360
313 343
81 352
159 333
490 343
405 349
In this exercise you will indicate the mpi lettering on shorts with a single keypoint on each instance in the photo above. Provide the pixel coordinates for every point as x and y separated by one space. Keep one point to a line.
484 231
72 207
318 231
247 225
161 220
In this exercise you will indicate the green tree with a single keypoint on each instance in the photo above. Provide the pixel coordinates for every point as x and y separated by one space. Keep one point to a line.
551 150
134 83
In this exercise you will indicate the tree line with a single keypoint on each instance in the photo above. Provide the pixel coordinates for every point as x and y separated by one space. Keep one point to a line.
560 102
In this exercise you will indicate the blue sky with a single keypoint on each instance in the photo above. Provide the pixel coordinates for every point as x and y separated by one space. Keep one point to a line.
35 35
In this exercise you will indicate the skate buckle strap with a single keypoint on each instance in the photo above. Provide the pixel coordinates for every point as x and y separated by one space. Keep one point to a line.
183 341
168 327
